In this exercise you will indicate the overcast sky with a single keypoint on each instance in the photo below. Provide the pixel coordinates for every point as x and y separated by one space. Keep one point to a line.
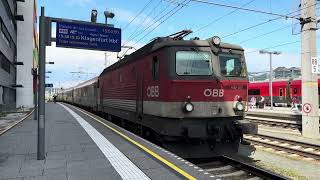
201 18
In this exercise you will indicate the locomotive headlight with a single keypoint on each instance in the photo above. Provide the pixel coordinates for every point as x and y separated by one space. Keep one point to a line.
239 106
188 107
216 40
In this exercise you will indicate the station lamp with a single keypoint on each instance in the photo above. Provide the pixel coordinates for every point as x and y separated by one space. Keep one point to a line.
108 14
94 14
270 73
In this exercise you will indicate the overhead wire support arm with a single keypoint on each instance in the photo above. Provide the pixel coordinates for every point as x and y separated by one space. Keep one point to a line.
245 9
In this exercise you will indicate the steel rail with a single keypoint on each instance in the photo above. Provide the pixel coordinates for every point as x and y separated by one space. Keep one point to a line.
284 148
259 172
304 144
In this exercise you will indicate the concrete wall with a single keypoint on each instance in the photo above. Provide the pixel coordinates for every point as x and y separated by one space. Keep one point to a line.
25 47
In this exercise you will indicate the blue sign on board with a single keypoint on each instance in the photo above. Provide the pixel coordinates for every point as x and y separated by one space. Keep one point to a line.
88 36
49 85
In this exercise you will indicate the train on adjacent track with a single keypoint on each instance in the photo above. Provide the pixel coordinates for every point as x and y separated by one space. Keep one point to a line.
189 95
282 91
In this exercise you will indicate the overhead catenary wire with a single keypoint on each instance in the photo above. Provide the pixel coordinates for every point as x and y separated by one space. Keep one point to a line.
156 21
265 22
150 25
267 33
279 45
245 9
144 21
139 13
221 17
177 10
160 21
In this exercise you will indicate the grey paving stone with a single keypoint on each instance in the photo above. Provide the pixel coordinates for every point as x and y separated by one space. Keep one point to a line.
47 177
6 173
96 174
33 163
77 166
54 148
56 157
162 174
145 163
55 164
134 153
35 178
55 171
12 179
57 177
30 171
100 163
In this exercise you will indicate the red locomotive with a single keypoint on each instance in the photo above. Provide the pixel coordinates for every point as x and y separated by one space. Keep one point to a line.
188 94
282 91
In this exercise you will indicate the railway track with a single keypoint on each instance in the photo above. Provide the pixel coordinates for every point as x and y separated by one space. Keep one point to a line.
276 120
227 168
293 148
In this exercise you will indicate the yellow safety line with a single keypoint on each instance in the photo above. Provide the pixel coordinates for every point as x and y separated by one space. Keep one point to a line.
174 167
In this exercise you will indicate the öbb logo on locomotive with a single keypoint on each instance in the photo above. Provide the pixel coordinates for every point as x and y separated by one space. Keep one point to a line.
153 91
213 92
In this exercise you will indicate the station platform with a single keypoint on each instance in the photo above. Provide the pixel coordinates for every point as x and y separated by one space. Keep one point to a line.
80 145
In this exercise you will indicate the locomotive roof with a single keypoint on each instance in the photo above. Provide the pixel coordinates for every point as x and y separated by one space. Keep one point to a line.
159 43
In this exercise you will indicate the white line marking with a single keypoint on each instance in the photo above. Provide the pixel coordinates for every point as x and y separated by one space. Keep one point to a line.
125 168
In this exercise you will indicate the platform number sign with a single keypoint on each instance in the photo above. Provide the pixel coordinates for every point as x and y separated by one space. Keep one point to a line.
315 65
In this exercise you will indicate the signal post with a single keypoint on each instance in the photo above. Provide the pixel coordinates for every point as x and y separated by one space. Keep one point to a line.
310 97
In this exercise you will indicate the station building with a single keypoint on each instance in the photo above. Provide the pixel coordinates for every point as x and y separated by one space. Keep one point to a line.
18 40
27 45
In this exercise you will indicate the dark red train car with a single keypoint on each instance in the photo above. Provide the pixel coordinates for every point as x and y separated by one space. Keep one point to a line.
282 91
188 94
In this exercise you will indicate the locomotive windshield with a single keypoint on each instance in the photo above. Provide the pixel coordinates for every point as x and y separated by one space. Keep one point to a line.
230 65
193 63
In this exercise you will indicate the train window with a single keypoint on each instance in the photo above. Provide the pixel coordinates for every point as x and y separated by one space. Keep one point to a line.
155 68
295 91
280 92
193 63
254 92
230 65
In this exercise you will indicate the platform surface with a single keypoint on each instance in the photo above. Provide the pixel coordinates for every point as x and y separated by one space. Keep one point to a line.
78 147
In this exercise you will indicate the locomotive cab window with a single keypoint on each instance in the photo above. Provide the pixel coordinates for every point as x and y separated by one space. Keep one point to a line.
155 68
193 63
230 65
